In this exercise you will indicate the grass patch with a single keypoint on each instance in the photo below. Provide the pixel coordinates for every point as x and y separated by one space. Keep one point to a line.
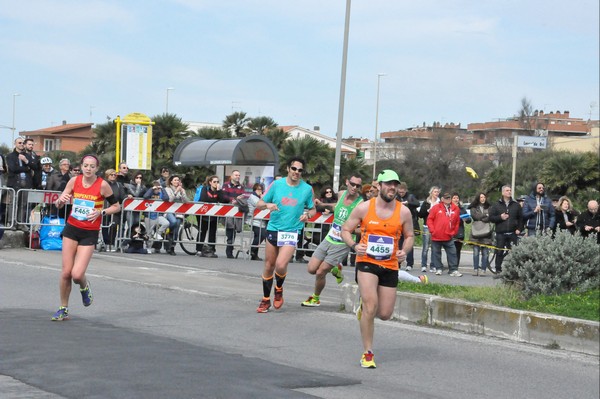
580 305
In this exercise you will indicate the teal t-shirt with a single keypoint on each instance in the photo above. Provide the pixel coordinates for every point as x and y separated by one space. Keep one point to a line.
291 201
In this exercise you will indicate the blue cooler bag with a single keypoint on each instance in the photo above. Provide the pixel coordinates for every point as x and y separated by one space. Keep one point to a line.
50 233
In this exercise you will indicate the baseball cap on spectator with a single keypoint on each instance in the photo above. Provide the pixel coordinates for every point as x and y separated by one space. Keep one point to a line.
447 195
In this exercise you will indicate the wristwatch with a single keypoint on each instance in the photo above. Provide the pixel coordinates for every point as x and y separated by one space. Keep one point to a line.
353 247
103 212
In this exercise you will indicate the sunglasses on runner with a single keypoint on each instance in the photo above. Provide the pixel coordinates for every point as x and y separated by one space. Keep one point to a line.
295 169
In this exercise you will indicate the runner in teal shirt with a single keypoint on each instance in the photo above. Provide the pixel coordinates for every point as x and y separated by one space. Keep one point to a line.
290 202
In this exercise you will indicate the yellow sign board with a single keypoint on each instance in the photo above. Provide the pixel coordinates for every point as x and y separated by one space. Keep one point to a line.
134 141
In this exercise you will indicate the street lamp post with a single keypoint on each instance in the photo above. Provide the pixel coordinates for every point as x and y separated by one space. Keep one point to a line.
379 75
168 90
13 120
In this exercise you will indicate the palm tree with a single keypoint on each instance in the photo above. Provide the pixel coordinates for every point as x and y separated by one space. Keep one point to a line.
167 133
318 156
236 123
354 166
569 173
277 136
103 145
212 133
261 124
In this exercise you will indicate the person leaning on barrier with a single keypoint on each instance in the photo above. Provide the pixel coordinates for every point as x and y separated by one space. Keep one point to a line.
156 223
35 165
20 177
176 193
233 190
211 193
57 181
3 194
47 171
113 222
259 226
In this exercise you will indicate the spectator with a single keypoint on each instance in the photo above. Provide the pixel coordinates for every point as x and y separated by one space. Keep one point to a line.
20 176
176 193
366 192
373 191
47 170
112 223
232 190
432 199
208 224
412 203
156 223
135 189
123 174
565 215
137 239
165 173
464 218
35 165
259 226
75 170
443 223
480 212
507 215
589 221
538 212
57 181
4 199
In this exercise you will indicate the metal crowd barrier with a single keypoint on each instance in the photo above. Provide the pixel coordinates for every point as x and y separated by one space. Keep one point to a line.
216 212
7 203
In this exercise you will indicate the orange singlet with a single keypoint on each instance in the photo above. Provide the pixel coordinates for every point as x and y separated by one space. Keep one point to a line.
381 237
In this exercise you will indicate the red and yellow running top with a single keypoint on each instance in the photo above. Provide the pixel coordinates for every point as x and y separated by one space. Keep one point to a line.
86 200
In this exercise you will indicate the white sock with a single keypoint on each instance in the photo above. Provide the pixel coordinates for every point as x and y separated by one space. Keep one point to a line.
406 276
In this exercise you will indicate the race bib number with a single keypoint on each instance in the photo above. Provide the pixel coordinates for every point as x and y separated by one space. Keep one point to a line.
380 247
335 232
287 238
81 208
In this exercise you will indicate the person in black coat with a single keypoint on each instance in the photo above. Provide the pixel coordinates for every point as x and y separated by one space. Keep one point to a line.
211 193
565 215
507 214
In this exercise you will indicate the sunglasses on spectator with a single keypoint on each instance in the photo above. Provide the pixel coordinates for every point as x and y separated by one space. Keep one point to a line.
76 170
355 185
328 192
295 169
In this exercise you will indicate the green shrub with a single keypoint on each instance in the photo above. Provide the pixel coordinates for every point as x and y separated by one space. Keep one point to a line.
543 265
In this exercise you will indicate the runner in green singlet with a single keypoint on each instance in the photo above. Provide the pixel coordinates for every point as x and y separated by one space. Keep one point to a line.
332 250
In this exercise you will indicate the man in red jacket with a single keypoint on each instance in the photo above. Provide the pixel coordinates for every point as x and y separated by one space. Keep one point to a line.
443 223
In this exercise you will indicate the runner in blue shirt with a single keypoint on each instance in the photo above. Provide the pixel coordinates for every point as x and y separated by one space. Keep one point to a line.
290 202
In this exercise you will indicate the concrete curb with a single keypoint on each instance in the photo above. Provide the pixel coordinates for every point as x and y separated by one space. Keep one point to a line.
534 328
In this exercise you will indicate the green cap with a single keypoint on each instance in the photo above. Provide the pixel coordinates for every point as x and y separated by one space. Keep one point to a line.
388 175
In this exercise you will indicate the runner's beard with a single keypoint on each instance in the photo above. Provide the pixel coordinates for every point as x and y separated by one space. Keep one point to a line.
386 199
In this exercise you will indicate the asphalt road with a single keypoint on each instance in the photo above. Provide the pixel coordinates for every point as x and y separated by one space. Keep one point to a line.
184 327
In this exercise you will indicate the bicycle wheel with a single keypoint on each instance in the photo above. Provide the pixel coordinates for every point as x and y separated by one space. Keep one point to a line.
188 234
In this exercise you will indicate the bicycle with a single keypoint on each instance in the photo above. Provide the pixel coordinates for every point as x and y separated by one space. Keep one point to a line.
188 237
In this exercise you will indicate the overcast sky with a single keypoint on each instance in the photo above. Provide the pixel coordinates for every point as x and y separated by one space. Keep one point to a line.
447 61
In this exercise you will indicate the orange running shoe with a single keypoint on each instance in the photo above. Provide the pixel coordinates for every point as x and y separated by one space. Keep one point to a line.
278 298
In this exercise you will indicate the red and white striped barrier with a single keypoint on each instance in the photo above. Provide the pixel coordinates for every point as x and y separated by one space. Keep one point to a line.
205 209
